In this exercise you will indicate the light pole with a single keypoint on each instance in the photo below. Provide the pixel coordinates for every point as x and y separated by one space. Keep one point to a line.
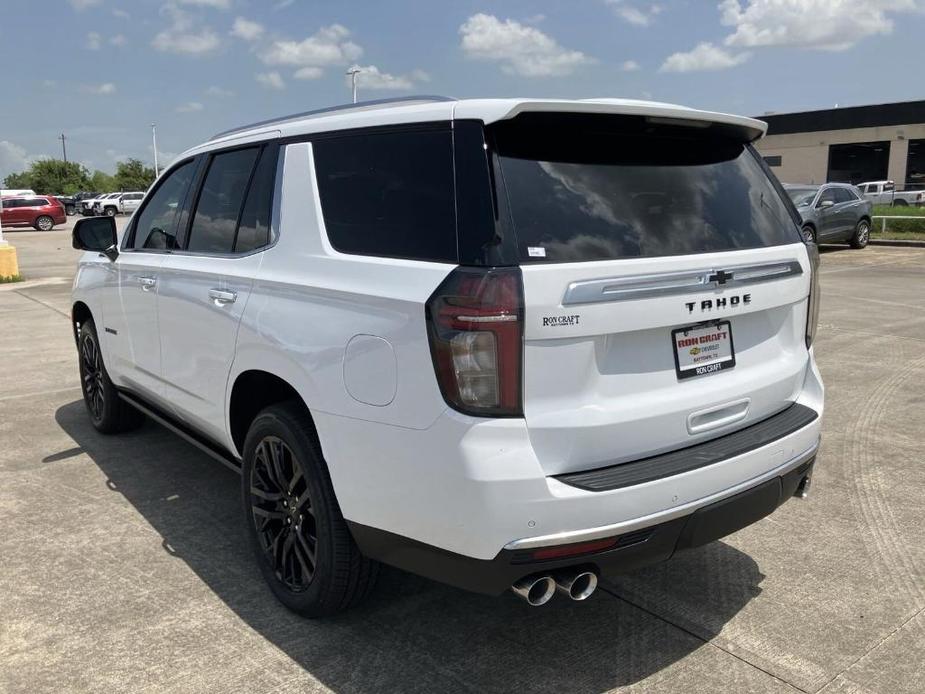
353 72
154 144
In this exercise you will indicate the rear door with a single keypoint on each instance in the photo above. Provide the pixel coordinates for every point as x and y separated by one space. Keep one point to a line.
665 285
846 204
204 287
14 211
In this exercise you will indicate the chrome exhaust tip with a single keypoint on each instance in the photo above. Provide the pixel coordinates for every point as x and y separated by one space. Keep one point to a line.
536 590
577 585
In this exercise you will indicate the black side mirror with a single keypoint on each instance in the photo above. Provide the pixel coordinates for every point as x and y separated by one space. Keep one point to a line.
96 234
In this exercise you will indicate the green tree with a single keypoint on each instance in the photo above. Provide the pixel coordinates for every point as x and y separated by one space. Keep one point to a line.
132 174
51 176
102 182
17 180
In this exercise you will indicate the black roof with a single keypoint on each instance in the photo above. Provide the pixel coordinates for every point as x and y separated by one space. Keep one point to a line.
872 116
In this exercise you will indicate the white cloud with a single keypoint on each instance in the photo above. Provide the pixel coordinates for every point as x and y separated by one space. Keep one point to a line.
80 5
13 158
182 36
94 41
104 89
633 14
190 107
219 91
308 73
246 29
217 4
629 66
49 83
817 24
118 40
371 77
120 13
164 159
272 80
521 50
283 4
704 56
328 46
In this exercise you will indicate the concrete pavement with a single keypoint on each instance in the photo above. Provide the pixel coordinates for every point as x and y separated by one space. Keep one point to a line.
125 567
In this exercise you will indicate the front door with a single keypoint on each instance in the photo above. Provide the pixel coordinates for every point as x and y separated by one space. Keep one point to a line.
133 327
827 213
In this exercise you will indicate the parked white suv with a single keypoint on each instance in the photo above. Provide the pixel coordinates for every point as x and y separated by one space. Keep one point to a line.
501 343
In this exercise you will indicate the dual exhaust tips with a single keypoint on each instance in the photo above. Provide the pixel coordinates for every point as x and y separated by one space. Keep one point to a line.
538 589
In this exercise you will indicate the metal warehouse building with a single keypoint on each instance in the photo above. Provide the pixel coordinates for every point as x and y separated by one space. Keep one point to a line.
860 143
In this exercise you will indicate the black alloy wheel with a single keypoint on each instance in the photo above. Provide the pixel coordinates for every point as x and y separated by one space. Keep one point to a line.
302 543
809 234
109 414
283 515
92 376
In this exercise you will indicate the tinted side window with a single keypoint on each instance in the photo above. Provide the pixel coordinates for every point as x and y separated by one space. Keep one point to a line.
843 195
389 193
220 201
156 227
254 229
827 195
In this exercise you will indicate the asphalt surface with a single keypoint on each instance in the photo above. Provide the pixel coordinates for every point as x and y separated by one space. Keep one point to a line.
124 568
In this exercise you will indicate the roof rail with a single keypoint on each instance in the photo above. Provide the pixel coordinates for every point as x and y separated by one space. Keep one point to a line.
359 106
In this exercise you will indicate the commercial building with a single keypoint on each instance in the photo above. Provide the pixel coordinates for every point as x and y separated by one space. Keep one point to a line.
860 143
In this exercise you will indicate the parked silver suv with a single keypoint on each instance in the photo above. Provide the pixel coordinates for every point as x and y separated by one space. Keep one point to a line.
832 213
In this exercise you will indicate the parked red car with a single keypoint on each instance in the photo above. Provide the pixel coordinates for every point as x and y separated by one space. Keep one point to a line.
39 211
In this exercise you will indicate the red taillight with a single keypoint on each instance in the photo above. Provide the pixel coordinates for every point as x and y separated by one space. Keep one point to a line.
562 551
475 325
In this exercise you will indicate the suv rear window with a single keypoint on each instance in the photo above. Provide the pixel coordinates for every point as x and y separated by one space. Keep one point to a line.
583 188
389 193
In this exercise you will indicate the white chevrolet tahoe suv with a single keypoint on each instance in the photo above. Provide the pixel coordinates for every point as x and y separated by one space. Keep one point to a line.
501 343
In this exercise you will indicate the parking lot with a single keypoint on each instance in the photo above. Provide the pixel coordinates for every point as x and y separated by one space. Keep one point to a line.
125 566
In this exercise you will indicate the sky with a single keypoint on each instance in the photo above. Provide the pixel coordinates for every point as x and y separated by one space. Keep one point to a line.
101 71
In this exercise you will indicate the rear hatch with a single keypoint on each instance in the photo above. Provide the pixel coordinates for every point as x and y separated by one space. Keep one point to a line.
665 283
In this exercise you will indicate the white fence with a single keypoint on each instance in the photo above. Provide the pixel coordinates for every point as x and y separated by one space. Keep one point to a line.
920 218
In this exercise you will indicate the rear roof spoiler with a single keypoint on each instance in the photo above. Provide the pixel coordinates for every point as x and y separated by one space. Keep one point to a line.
749 129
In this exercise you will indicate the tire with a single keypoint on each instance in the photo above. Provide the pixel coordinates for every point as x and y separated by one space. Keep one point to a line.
70 210
111 211
108 413
809 233
900 203
301 541
861 236
44 223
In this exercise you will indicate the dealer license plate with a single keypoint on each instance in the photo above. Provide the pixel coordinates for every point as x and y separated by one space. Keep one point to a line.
703 349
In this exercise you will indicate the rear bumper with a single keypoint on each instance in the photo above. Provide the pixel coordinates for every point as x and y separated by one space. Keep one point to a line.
475 489
629 550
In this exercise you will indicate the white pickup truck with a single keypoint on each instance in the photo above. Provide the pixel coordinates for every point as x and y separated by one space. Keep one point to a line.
885 193
129 202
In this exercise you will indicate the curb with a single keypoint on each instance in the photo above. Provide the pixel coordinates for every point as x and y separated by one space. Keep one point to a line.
907 243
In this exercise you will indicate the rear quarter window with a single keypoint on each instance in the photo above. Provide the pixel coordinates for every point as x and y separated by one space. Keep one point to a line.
389 193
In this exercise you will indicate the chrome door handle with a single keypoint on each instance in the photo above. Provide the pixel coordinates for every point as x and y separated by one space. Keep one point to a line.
221 296
147 282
